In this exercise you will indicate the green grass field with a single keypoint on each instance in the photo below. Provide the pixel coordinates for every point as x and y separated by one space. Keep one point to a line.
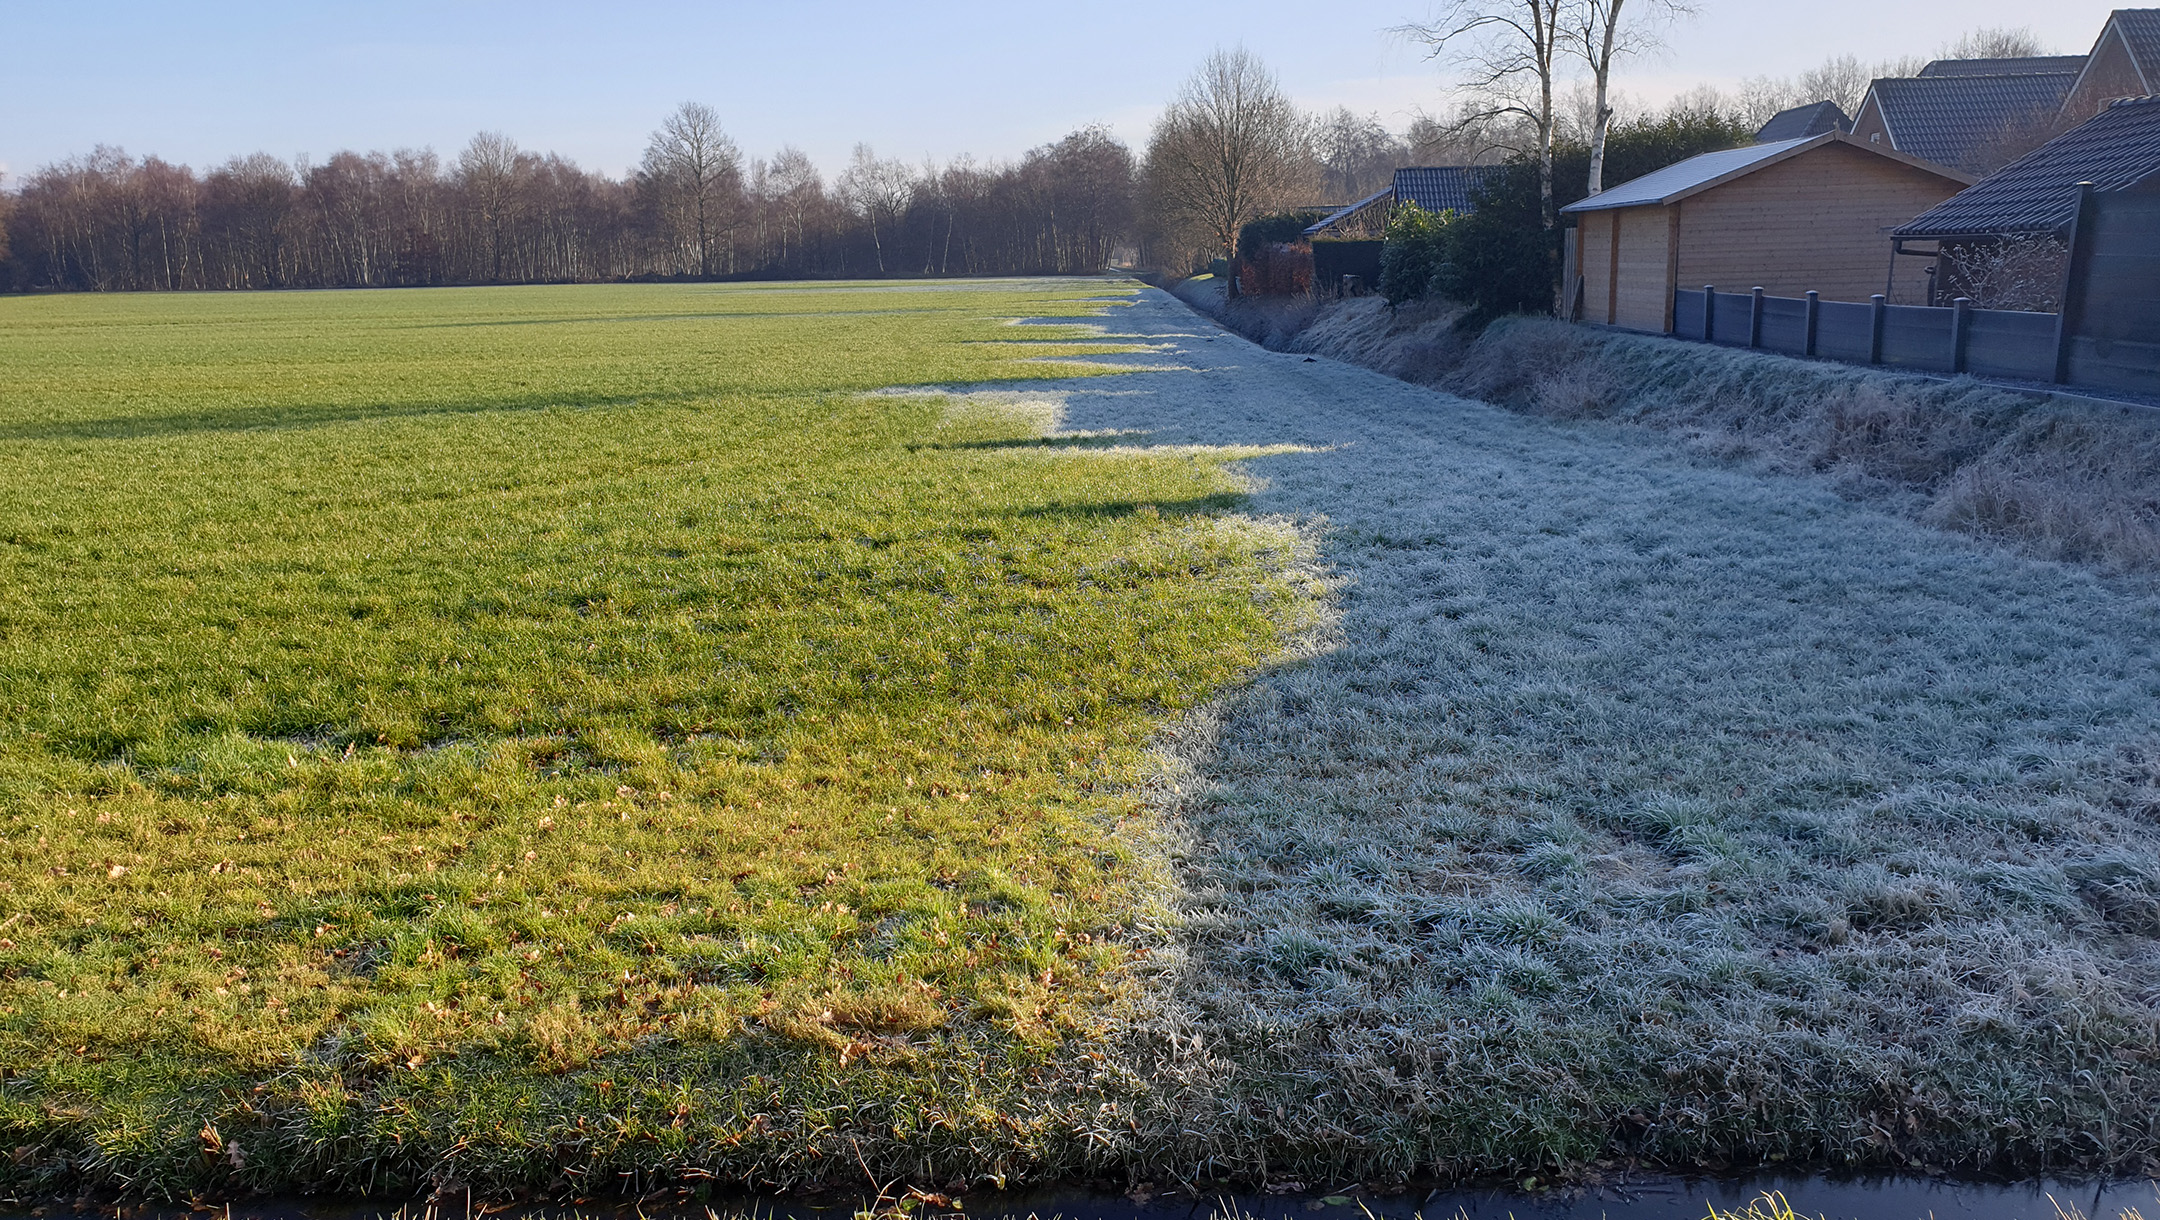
572 738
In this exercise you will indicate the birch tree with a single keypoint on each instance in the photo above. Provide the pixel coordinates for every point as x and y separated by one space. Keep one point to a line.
797 189
877 190
1506 50
1600 32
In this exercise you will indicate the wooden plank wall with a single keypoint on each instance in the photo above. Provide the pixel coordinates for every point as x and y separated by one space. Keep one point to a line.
1816 221
1644 295
1626 257
1595 231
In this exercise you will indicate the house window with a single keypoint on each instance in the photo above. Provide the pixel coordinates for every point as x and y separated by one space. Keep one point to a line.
1874 137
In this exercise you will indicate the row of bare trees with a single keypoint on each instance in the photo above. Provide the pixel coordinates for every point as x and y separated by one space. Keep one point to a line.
1229 147
498 213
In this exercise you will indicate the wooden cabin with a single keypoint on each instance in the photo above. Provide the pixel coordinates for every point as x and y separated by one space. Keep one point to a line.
1788 216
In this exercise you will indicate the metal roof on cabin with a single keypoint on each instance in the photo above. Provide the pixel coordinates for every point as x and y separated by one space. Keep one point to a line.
2037 192
1800 122
2022 65
1951 119
1442 188
2141 29
1660 185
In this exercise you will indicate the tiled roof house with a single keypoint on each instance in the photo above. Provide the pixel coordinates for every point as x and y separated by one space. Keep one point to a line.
2124 62
1803 122
1969 120
2037 193
1438 188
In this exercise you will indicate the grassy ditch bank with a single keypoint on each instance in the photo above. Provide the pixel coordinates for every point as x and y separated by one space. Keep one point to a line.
2062 481
574 738
1646 810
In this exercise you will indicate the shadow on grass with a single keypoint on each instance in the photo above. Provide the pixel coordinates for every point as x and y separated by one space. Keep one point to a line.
657 317
1220 502
251 419
1093 440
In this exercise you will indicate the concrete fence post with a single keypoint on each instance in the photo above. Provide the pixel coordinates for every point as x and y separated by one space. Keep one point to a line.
1879 306
1709 313
1814 318
1960 332
2070 311
1754 317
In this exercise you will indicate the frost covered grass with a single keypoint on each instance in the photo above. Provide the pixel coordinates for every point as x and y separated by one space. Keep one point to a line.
1639 808
573 738
587 740
2062 481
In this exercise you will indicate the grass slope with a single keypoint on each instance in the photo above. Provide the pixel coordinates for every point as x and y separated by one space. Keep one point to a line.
569 737
1644 807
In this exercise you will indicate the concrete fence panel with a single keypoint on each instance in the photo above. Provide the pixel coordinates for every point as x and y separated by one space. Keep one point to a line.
1986 342
1918 337
2004 343
1842 332
1784 325
1688 313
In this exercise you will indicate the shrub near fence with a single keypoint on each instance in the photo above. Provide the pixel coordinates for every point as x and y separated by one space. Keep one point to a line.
1955 339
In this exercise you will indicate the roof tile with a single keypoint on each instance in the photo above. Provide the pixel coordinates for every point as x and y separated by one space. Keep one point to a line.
2019 66
1952 120
2141 29
1441 188
2037 192
1801 122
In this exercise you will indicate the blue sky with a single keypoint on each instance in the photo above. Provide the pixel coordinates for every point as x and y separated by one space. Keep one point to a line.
200 82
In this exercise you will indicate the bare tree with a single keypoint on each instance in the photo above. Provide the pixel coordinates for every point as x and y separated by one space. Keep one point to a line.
498 214
1992 43
1506 49
1357 155
487 170
698 169
1460 140
1229 148
1084 190
247 206
1843 79
797 190
878 191
1600 32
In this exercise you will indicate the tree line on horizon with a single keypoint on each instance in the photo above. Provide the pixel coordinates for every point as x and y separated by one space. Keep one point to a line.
1230 147
695 208
501 214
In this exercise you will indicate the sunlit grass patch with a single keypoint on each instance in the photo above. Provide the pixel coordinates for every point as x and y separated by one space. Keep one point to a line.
447 728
